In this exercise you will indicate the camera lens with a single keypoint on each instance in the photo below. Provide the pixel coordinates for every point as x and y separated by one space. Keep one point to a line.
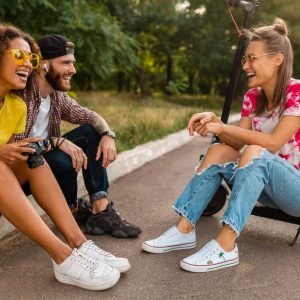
46 143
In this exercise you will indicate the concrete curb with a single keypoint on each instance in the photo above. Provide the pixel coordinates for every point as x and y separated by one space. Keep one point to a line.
131 160
126 162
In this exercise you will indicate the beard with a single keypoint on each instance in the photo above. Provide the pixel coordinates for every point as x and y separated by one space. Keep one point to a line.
55 80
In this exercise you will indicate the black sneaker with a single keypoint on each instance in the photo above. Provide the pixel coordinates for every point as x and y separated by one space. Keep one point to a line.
83 212
110 221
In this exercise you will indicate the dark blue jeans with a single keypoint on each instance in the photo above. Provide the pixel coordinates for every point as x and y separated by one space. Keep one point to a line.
95 176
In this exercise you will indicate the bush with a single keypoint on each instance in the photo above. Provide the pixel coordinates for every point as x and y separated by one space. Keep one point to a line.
177 87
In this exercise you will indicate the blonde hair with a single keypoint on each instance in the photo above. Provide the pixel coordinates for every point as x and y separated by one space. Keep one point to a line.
275 38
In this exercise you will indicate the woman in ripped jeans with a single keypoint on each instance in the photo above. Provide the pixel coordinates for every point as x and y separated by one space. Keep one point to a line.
267 170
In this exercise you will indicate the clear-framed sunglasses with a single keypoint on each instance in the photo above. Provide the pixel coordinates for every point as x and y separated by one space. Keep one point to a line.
252 58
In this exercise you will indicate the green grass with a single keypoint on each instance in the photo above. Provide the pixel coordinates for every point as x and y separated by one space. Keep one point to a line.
206 102
137 121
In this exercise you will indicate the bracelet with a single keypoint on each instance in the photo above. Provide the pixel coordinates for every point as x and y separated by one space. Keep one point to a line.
58 144
51 143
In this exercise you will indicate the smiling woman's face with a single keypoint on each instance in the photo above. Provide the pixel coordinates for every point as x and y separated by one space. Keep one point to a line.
262 70
12 75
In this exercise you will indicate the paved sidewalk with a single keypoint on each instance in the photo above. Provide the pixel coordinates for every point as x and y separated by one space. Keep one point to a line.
268 269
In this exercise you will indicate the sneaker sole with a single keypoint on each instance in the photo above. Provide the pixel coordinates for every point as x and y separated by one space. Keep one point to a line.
93 231
115 233
111 281
200 269
153 249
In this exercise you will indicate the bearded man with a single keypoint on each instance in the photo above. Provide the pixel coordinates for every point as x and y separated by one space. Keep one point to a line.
90 147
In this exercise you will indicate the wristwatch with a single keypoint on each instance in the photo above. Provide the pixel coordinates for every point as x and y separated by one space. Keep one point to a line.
109 133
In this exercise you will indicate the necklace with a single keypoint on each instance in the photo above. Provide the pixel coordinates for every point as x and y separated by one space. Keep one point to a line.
269 111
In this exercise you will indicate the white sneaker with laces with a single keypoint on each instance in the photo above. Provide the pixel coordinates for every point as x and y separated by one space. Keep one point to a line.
90 249
211 257
80 270
171 240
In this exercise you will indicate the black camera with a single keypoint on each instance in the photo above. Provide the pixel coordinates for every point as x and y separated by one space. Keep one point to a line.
36 159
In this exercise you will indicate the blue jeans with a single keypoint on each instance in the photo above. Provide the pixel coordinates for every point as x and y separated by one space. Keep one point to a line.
95 176
268 179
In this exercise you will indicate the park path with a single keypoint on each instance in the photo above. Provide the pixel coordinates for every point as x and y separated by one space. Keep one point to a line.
268 269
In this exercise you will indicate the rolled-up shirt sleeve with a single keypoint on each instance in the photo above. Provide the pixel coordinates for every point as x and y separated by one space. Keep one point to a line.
74 113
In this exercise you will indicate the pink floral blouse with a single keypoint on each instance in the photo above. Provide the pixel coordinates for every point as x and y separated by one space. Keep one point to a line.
291 150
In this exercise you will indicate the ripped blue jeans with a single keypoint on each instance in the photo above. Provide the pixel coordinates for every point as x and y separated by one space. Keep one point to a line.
268 179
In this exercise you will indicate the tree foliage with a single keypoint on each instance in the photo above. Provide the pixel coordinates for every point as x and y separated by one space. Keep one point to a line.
101 45
148 45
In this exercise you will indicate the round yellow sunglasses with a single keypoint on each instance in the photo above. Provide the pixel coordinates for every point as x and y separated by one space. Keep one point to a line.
20 57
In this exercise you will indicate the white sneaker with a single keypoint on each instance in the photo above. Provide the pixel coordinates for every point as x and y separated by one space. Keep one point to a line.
91 250
82 271
209 258
171 240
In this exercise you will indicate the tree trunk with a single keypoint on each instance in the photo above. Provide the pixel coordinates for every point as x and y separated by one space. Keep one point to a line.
169 68
191 82
128 84
120 81
141 81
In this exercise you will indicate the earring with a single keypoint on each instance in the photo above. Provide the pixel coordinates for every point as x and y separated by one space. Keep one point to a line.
46 68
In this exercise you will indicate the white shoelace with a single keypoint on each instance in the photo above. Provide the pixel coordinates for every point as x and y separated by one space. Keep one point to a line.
167 235
90 244
84 261
208 250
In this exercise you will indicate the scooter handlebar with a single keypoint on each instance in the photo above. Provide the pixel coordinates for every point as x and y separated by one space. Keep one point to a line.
247 6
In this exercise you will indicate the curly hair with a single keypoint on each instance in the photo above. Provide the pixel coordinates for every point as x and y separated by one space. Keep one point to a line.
9 32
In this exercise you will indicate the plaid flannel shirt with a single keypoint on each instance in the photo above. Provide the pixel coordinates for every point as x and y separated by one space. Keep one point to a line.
62 107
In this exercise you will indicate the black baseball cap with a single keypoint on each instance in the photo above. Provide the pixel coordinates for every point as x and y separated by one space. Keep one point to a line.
54 45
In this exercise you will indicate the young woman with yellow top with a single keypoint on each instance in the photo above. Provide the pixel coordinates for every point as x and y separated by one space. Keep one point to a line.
78 262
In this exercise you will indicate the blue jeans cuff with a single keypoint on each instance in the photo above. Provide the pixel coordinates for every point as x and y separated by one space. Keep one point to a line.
97 196
233 226
182 213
